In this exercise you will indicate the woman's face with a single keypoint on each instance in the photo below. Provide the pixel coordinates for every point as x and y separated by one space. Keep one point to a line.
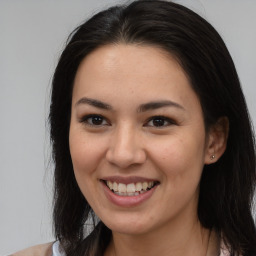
137 129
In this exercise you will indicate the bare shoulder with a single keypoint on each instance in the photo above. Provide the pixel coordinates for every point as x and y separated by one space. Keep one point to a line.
38 250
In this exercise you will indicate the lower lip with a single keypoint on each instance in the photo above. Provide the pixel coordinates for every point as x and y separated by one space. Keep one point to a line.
127 201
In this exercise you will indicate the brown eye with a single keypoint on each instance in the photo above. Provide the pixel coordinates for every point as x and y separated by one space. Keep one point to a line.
94 120
159 121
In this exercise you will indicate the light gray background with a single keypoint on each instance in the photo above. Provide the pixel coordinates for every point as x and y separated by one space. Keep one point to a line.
32 34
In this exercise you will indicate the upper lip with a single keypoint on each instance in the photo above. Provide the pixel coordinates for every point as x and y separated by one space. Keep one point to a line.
127 180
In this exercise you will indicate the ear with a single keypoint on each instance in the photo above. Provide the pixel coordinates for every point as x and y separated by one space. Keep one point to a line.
216 140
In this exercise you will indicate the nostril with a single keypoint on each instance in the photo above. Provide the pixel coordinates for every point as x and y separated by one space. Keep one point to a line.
124 158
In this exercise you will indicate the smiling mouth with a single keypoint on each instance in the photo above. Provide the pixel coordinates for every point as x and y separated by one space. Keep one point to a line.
131 189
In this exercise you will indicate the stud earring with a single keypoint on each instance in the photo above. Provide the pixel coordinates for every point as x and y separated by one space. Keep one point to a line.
212 157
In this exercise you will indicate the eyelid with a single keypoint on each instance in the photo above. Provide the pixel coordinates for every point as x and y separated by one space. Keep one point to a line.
85 118
169 120
105 122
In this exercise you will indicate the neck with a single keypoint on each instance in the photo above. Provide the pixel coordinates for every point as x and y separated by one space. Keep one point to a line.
175 240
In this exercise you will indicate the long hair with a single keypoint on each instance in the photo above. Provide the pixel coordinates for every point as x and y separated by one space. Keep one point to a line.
226 187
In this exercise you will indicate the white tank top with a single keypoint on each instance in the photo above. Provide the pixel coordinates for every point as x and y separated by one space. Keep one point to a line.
56 251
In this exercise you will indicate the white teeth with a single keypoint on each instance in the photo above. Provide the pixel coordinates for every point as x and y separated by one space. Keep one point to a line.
138 186
122 188
115 187
130 189
110 185
145 185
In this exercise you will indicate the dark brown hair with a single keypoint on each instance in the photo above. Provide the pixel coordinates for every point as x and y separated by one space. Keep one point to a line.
226 187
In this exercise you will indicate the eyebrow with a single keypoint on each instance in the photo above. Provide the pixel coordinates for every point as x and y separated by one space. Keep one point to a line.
94 103
142 108
158 104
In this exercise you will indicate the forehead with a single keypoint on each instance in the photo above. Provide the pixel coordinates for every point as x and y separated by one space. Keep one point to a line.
123 59
132 71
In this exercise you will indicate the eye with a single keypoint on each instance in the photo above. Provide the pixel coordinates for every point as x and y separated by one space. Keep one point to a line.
159 121
94 120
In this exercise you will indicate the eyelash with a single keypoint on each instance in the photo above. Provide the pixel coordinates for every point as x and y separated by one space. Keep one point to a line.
167 121
85 120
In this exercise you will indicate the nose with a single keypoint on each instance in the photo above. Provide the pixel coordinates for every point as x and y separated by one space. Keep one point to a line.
126 148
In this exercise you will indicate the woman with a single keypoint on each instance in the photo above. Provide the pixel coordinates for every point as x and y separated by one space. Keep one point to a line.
151 133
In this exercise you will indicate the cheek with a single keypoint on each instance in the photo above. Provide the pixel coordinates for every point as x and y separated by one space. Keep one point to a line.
86 154
181 163
179 158
85 151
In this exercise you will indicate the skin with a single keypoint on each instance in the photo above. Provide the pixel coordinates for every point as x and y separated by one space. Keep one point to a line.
125 142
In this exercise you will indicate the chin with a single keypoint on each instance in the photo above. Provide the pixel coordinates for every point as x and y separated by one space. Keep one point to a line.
128 229
129 226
